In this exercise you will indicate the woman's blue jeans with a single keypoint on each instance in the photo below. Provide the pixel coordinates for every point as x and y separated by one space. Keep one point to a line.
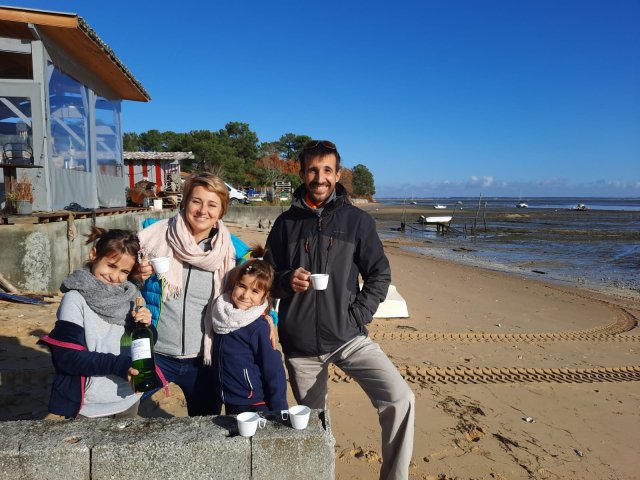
196 381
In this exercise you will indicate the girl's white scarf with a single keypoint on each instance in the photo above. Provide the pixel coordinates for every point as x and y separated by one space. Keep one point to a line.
173 238
227 318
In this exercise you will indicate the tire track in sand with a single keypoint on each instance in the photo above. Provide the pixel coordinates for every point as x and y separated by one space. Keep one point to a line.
625 323
452 375
420 375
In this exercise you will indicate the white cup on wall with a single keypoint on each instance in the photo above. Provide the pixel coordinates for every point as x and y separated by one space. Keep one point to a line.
298 415
248 423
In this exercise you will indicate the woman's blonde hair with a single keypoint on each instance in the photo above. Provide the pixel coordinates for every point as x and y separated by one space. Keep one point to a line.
211 182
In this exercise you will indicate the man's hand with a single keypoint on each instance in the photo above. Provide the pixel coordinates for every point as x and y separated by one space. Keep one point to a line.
300 280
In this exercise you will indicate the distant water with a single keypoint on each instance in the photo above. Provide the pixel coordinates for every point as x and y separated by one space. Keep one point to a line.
599 247
564 203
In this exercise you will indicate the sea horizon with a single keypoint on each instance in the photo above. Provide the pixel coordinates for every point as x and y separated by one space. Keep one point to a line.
516 197
551 202
598 248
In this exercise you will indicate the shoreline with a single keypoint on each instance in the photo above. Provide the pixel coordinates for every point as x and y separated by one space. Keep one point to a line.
465 250
494 266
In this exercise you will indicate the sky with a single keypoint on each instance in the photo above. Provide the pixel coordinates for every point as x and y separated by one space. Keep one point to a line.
437 98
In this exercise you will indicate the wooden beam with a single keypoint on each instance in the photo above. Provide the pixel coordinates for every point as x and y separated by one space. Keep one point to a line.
54 19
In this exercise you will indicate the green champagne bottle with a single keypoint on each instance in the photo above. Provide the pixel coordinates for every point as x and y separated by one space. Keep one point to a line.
142 356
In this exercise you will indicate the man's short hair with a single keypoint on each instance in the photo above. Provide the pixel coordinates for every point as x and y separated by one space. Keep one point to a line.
318 148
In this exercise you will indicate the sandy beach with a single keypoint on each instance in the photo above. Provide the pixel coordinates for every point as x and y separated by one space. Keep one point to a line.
514 378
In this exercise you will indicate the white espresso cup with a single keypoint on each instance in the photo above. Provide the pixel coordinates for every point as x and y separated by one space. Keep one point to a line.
298 415
248 423
319 281
160 264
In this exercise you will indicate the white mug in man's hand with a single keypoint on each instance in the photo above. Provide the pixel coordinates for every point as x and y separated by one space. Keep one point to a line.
320 281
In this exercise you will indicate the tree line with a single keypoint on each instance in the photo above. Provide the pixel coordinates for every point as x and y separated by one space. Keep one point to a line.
236 154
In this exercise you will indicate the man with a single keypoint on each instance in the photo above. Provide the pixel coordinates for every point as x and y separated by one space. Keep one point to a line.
323 233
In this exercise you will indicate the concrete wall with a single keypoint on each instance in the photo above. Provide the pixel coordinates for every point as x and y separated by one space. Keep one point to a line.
37 257
247 215
189 448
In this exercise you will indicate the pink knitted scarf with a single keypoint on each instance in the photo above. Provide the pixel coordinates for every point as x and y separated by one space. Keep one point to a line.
173 238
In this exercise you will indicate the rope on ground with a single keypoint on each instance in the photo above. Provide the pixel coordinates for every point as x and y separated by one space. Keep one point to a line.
70 238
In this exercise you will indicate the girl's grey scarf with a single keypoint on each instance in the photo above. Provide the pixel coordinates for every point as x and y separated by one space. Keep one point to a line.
113 303
227 318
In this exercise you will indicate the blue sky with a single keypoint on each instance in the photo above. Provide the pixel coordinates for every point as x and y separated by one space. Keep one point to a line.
437 98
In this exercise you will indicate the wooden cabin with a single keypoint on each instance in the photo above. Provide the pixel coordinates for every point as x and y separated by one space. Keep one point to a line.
161 168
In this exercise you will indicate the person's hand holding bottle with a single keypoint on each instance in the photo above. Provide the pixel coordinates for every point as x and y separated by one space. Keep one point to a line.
141 315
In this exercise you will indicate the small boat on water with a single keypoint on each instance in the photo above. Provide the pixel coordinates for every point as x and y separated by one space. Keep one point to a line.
522 204
439 206
434 220
441 223
581 207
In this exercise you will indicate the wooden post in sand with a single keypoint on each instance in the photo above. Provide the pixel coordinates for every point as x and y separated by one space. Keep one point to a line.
484 220
475 220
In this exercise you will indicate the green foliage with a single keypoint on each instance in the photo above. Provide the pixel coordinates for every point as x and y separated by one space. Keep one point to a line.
242 140
287 147
294 179
266 176
177 142
156 141
230 152
267 149
152 141
211 154
363 184
290 144
131 142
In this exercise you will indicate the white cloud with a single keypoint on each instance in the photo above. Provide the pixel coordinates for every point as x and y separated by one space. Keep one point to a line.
485 181
489 185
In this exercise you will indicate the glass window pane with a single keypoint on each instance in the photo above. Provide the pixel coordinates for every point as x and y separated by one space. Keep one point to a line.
108 137
68 110
16 133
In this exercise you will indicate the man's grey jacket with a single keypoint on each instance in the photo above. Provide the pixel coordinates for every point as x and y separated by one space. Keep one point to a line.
341 240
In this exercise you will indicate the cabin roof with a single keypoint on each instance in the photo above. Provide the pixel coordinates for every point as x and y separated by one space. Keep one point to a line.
158 156
79 40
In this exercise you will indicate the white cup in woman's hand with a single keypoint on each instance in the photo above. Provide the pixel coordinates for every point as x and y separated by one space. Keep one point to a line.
161 264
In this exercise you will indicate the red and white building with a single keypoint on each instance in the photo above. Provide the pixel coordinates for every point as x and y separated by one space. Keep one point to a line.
152 166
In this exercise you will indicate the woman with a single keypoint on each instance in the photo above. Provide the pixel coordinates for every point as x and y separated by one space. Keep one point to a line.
202 254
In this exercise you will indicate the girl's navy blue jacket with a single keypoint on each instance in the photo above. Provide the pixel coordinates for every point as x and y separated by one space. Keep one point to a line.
249 370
